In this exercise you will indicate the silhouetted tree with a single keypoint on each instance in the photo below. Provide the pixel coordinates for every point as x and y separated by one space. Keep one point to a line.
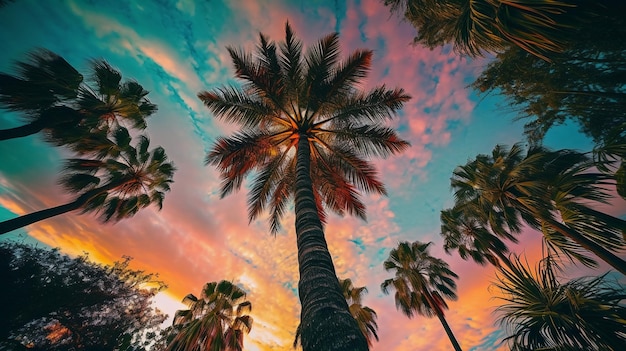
54 302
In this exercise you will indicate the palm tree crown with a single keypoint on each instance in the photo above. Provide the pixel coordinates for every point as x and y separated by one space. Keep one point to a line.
550 191
121 185
288 97
472 239
422 283
214 322
542 313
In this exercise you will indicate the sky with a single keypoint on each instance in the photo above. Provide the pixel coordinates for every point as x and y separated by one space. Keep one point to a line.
177 48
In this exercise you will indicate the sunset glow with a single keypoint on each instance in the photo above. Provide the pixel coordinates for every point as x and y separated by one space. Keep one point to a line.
176 49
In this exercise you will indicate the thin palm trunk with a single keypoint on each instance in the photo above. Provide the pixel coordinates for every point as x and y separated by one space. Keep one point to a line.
21 131
326 322
590 245
27 219
442 319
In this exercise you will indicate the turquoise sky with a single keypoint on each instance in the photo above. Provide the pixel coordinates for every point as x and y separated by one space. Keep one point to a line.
176 49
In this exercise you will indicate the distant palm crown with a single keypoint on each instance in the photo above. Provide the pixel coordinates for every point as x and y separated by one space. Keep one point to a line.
288 95
127 180
422 282
53 97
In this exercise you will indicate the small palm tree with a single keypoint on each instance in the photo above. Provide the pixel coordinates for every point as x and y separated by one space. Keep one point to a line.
542 313
50 96
116 187
307 133
422 283
472 239
213 322
509 187
364 316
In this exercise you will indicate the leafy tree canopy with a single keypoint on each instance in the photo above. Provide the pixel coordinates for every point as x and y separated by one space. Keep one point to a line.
54 302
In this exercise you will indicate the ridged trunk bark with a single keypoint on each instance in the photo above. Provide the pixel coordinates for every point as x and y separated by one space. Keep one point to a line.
590 245
325 320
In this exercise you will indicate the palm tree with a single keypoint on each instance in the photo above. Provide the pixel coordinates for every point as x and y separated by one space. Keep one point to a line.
508 187
422 283
52 97
542 313
541 28
116 187
214 322
472 239
44 83
364 316
307 132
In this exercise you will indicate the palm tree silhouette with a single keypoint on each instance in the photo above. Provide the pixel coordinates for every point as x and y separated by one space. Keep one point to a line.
52 97
542 313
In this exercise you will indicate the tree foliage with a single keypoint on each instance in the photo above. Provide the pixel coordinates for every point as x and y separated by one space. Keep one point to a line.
54 302
474 27
550 191
540 312
217 321
307 132
125 180
51 96
585 86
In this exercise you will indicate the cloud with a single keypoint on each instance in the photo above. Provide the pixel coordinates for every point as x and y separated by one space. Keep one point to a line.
198 237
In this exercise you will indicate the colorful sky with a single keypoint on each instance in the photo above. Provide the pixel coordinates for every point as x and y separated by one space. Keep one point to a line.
175 49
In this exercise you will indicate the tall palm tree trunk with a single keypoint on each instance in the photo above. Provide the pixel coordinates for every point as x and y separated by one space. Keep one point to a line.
590 245
35 217
325 320
21 131
443 321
